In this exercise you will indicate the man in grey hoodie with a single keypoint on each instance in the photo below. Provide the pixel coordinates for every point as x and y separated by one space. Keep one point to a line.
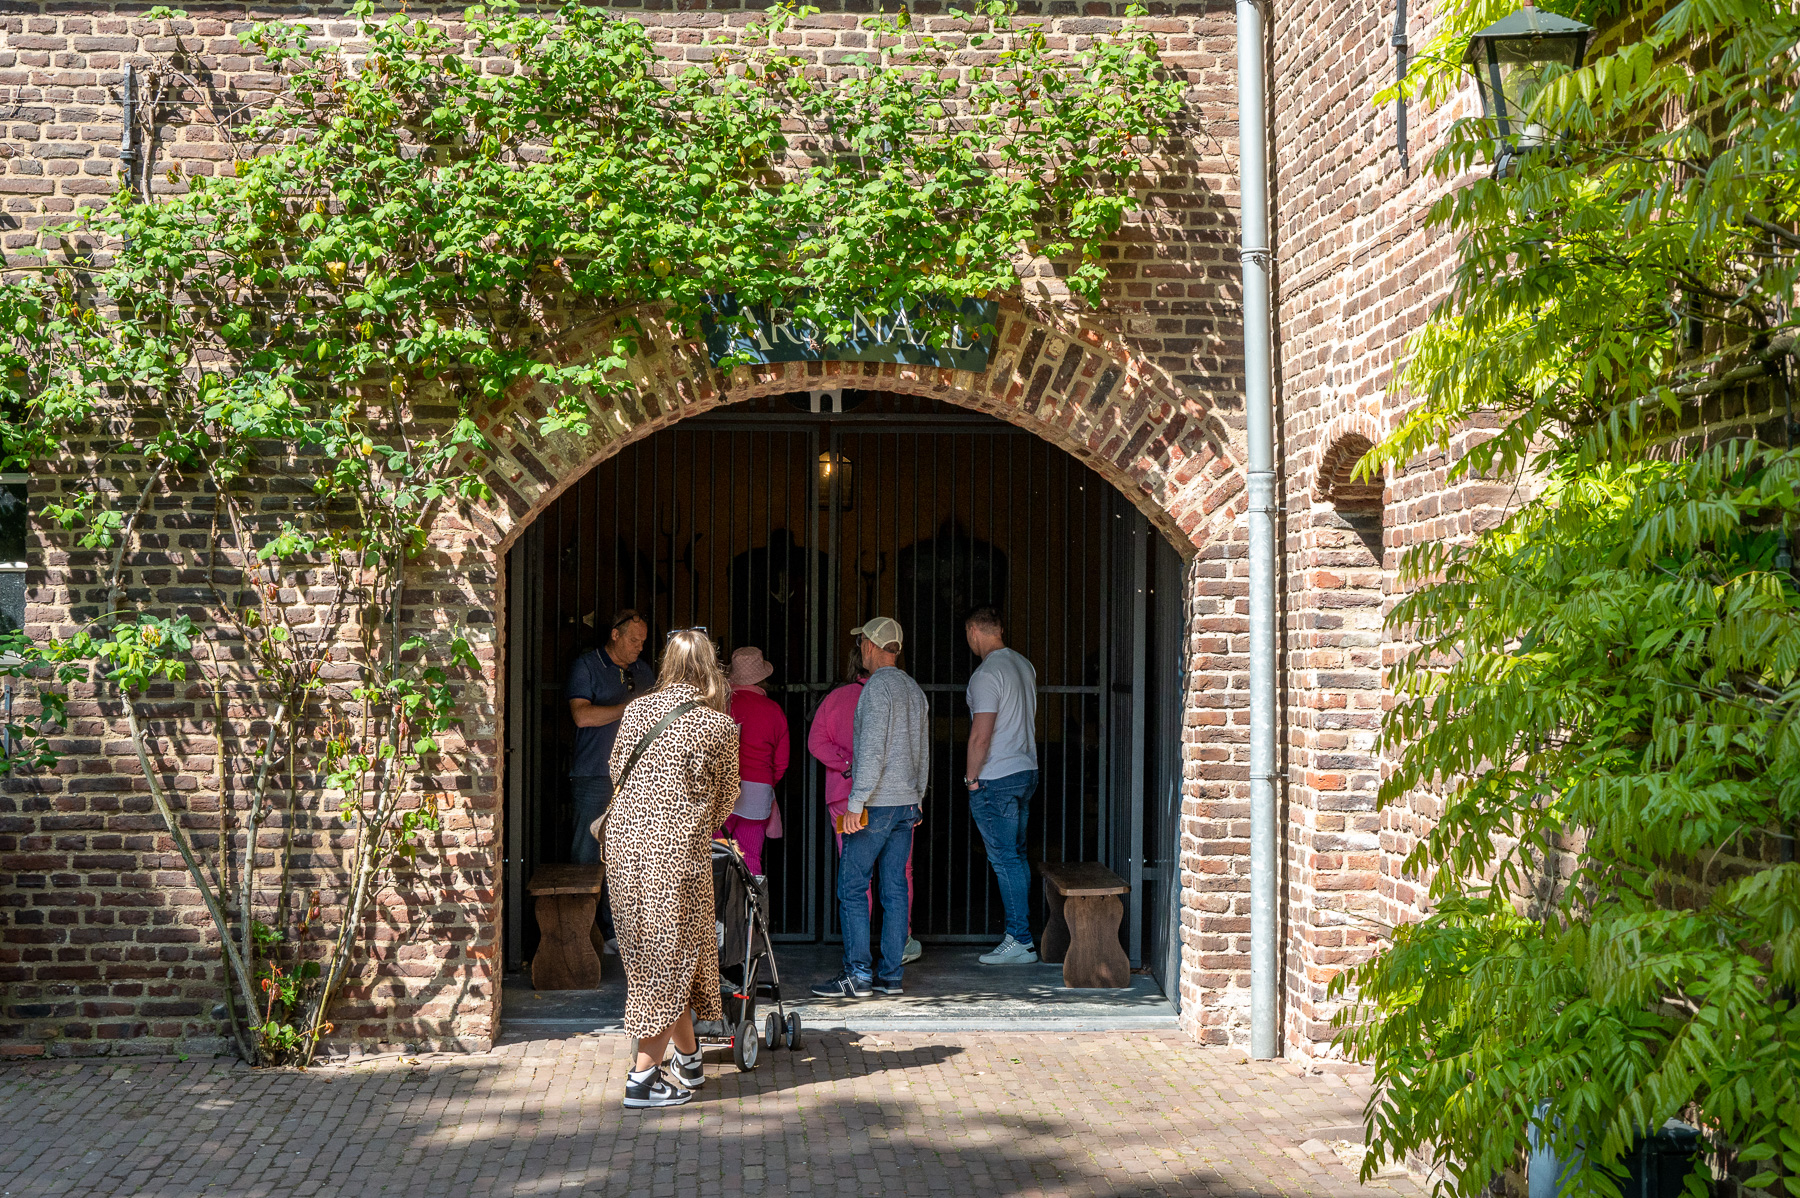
890 764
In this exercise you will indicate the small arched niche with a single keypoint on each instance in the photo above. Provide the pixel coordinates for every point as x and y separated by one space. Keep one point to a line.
1355 498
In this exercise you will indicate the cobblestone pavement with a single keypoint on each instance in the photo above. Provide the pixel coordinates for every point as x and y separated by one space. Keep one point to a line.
972 1115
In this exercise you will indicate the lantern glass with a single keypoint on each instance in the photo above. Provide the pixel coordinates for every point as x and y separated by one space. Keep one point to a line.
837 482
1511 59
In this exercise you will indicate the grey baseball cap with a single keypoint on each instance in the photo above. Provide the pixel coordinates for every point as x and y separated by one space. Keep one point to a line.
880 631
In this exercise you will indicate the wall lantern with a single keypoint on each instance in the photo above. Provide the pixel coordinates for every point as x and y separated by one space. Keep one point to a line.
837 482
1509 58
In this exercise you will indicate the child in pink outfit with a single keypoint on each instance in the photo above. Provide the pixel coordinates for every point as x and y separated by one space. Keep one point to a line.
762 757
832 742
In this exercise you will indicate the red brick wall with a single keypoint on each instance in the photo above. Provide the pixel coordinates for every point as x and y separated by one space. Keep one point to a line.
101 939
1359 272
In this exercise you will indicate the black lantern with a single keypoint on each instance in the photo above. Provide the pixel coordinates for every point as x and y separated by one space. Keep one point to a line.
837 482
1510 57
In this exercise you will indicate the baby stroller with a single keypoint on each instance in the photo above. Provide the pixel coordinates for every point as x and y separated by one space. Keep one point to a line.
747 968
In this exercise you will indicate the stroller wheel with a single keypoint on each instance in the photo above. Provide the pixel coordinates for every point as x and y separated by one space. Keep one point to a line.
793 1032
772 1031
746 1046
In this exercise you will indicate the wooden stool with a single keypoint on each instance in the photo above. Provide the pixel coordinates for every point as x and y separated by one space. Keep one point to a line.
568 955
1083 931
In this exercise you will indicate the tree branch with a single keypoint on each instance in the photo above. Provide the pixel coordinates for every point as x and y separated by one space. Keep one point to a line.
1773 230
252 822
220 922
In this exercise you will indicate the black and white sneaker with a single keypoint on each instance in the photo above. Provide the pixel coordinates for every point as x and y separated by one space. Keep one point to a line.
653 1088
689 1072
844 985
883 986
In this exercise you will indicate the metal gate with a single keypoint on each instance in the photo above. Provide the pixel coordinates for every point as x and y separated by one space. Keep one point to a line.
783 528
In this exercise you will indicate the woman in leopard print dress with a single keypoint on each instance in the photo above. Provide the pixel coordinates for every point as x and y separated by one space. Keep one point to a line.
659 863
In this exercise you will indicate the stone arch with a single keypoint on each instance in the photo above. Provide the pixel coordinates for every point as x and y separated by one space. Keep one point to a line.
1171 455
1347 440
1169 452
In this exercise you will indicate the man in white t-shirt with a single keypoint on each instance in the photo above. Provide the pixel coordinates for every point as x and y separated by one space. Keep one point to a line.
1002 773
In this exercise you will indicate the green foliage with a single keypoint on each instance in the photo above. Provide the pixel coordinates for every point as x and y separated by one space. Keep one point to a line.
402 238
284 991
1605 689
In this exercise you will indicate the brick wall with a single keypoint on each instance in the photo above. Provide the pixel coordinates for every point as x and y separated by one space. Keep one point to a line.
102 943
1359 273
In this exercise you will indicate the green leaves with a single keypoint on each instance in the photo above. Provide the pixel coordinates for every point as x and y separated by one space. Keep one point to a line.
1604 692
139 652
1623 645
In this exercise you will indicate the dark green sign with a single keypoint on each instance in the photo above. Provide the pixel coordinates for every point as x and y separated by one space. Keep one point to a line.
774 334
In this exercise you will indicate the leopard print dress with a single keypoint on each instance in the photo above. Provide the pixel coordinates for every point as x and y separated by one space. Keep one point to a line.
659 857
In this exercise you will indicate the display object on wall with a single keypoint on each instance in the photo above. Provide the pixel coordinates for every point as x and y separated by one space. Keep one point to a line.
774 334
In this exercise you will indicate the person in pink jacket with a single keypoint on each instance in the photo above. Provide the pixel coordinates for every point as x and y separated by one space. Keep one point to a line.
762 756
831 741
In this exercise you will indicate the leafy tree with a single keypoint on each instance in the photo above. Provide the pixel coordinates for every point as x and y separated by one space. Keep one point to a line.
404 236
1605 689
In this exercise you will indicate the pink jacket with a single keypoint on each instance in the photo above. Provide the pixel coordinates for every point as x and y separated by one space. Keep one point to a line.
763 744
832 740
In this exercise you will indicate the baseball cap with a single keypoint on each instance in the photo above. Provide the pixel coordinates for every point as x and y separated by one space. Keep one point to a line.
880 631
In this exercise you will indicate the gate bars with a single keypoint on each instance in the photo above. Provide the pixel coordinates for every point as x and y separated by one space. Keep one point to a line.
723 522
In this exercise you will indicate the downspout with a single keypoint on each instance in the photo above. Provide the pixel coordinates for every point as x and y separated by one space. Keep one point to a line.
1253 253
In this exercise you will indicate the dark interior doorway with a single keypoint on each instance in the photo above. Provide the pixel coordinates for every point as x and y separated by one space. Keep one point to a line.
780 525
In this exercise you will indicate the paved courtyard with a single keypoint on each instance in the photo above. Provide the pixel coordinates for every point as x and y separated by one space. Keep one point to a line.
974 1115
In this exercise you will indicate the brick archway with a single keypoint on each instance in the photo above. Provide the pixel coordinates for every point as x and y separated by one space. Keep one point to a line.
1174 457
1347 440
1085 392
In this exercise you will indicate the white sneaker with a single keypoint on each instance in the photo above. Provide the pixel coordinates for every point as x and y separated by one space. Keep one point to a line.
912 952
1010 952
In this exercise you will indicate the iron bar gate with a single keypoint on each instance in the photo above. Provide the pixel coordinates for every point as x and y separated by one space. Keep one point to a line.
783 529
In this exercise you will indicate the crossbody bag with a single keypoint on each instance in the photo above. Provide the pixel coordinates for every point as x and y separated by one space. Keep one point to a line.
598 827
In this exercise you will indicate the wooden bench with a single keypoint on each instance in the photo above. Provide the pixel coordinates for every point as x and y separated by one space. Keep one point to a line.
1083 930
568 954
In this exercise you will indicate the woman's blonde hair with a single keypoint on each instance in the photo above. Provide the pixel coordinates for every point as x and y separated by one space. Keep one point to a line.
691 659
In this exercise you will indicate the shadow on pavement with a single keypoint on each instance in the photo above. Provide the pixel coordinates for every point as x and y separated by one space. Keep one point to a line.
972 1116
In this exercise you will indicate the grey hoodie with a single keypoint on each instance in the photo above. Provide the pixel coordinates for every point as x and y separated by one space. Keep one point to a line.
891 757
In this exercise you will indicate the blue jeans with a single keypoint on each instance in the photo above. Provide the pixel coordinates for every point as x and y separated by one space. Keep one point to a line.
1001 807
592 795
883 848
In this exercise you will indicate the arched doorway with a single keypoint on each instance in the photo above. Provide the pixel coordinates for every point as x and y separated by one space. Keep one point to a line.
776 524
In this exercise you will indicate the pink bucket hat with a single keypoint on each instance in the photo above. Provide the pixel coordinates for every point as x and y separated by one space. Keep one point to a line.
749 667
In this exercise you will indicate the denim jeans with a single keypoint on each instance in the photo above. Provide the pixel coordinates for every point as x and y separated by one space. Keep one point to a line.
592 795
880 850
1001 807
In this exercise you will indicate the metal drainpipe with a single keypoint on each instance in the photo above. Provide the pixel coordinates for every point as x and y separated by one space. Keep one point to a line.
1253 252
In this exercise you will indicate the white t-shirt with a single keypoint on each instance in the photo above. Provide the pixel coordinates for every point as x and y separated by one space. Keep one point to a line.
1006 684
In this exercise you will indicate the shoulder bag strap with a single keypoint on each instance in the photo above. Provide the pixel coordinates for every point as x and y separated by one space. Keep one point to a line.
649 738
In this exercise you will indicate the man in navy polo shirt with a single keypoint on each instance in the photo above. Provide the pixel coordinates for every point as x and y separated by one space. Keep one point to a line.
601 683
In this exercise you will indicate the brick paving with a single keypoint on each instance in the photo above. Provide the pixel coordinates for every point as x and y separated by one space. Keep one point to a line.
971 1115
